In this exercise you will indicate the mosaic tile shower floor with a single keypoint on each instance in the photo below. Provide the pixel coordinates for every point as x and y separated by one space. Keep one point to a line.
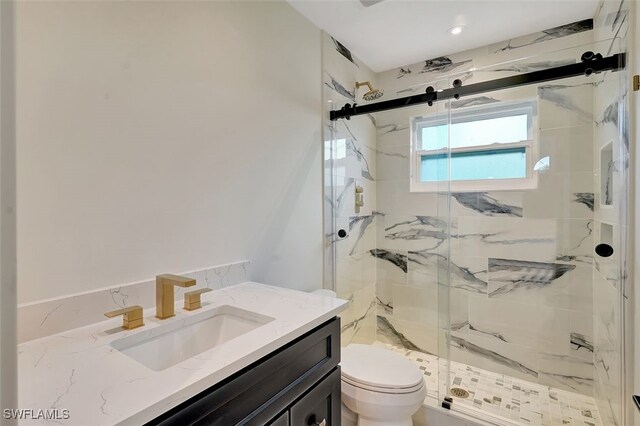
518 400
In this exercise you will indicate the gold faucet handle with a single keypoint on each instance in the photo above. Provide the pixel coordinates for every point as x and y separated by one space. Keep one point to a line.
131 316
192 299
177 280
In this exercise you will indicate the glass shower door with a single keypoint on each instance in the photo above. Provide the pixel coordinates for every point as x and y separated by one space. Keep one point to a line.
535 305
414 231
478 251
399 239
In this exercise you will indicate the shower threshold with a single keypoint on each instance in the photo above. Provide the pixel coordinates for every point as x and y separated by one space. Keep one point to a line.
513 401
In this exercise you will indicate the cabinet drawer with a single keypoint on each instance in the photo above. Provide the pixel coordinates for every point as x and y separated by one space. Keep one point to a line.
321 406
282 420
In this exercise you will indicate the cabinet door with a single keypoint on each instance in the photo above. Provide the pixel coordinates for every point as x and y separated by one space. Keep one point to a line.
282 420
321 406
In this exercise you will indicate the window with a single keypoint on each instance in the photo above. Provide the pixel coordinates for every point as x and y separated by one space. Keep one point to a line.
491 148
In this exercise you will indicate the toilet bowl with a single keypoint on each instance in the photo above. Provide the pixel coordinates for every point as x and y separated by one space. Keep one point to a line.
379 387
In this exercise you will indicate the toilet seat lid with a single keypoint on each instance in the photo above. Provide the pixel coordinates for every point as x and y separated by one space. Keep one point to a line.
378 389
379 368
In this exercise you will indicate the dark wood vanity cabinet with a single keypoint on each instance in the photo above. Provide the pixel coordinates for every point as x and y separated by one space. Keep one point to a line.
296 385
282 420
321 406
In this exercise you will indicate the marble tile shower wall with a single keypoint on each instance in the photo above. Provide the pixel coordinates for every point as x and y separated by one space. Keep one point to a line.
350 161
611 155
527 296
520 261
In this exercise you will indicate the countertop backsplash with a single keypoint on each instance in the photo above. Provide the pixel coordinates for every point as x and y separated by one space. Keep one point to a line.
47 317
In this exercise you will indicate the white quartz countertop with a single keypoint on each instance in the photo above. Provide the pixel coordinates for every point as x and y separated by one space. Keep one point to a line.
81 372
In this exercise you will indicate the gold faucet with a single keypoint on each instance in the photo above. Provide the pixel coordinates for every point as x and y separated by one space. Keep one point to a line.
164 293
192 299
131 316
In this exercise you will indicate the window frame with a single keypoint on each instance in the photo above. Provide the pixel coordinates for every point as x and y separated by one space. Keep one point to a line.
493 110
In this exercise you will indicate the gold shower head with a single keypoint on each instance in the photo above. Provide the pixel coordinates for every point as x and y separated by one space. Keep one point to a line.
372 94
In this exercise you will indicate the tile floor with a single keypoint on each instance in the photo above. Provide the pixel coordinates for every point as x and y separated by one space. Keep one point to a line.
520 401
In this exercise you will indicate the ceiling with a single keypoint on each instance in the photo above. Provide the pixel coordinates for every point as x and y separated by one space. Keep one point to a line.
392 33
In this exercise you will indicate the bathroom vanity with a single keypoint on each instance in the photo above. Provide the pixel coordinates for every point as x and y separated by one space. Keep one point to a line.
298 384
253 354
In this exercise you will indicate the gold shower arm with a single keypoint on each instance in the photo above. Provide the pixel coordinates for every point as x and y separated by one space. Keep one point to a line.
364 83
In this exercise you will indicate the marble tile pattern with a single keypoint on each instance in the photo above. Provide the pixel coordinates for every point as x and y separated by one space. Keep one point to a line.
550 34
341 49
40 319
81 371
336 86
487 204
569 98
350 162
474 101
414 78
468 274
359 320
396 259
611 113
442 64
512 400
417 232
510 272
525 67
586 198
508 275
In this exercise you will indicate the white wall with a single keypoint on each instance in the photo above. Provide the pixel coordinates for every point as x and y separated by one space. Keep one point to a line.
163 137
8 352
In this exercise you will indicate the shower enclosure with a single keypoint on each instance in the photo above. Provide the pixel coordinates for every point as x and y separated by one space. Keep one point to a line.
490 244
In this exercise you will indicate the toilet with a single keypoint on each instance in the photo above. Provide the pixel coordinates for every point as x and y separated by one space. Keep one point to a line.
379 387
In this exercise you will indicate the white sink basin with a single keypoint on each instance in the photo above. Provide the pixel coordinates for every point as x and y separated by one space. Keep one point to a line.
179 340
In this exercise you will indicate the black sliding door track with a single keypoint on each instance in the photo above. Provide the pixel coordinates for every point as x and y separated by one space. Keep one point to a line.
590 64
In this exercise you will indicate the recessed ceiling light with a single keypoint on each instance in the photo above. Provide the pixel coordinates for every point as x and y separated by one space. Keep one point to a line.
457 29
